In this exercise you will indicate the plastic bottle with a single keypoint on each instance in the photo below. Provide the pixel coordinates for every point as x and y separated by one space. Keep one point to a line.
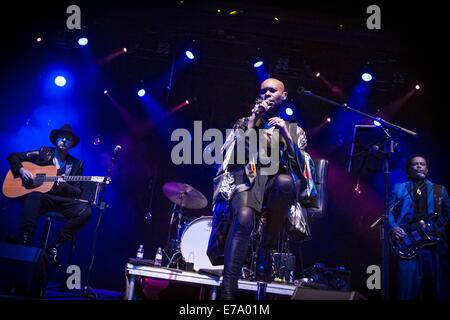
190 262
191 257
158 257
140 252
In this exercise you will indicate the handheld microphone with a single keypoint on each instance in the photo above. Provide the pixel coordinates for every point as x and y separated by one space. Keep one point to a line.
259 108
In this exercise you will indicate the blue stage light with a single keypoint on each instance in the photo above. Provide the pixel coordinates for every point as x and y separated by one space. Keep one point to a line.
83 41
141 93
190 55
289 111
60 81
258 64
366 77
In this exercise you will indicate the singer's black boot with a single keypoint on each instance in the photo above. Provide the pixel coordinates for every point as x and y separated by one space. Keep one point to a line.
236 249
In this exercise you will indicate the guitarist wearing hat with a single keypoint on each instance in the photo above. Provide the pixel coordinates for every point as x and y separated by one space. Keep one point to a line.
419 211
63 196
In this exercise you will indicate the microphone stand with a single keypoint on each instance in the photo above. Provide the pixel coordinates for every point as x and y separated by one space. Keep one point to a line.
98 202
389 147
383 123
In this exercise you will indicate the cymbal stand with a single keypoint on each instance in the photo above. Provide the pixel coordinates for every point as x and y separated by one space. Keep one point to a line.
174 245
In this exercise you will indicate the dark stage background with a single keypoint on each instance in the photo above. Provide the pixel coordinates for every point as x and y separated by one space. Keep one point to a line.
221 85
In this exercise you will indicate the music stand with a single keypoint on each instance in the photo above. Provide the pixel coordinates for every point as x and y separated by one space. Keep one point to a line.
366 155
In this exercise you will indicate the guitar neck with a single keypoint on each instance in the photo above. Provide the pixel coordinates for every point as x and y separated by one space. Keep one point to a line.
73 178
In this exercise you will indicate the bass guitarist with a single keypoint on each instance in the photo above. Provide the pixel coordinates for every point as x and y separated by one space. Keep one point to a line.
62 198
425 275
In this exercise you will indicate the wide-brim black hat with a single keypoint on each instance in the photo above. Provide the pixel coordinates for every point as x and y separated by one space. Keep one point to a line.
65 129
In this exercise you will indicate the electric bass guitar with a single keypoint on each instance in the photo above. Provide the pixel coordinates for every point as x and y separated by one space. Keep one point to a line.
44 178
423 233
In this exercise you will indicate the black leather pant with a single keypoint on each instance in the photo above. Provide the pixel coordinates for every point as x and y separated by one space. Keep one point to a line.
77 214
279 196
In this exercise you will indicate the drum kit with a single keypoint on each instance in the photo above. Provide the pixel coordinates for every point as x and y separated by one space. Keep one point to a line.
191 238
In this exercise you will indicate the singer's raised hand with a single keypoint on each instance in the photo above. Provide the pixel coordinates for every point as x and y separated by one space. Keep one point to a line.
260 107
280 124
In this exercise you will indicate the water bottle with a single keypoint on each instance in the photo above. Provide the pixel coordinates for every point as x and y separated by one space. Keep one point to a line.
191 257
190 262
140 252
158 257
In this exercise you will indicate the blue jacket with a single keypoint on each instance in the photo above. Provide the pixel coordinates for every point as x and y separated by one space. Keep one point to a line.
401 207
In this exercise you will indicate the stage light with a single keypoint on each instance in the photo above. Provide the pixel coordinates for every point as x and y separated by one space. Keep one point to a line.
289 111
366 77
97 141
276 18
60 81
83 41
377 123
417 87
38 39
125 50
105 92
317 74
141 93
187 101
189 54
258 64
328 119
233 12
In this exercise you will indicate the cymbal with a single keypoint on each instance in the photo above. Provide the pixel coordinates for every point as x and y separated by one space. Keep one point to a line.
184 195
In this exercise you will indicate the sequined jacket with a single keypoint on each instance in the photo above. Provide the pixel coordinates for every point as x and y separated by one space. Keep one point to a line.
299 165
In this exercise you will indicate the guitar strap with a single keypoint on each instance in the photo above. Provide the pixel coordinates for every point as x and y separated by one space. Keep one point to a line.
437 198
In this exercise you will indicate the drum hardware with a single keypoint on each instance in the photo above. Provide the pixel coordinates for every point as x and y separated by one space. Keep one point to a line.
183 196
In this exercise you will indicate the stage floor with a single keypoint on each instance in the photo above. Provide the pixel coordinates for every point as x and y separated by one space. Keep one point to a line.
137 274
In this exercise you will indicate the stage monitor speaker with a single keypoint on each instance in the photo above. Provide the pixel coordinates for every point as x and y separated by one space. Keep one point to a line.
23 270
303 293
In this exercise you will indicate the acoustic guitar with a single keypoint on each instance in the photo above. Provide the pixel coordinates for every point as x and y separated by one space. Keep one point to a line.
44 178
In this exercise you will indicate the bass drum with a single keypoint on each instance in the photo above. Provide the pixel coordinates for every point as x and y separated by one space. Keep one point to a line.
194 243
